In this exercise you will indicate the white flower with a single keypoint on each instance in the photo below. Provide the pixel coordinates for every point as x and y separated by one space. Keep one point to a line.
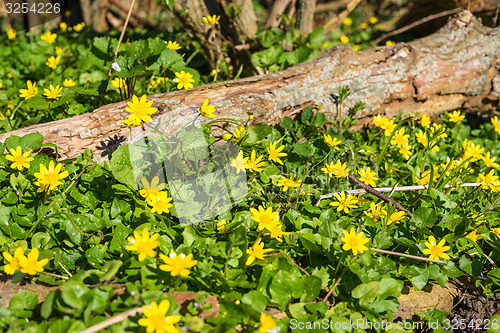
116 67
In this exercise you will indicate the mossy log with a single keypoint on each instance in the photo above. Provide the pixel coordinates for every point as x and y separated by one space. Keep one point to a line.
455 68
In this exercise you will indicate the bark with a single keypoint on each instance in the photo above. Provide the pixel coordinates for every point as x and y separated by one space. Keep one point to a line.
305 16
457 67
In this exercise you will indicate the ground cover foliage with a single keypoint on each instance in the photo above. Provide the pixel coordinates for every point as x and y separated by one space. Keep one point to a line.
283 254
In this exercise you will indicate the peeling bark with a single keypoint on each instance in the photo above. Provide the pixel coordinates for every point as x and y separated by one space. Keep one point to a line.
457 67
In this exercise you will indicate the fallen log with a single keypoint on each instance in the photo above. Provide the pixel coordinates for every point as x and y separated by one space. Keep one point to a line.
455 68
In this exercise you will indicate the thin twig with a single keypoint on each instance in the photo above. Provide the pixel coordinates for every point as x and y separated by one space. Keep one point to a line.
121 36
408 256
335 21
376 193
113 320
489 259
396 189
336 284
414 24
56 275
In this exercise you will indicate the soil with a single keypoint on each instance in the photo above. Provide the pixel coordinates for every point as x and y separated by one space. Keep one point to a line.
474 310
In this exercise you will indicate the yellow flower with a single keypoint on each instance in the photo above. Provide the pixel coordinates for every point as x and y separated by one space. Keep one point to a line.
211 20
399 138
63 26
332 142
405 151
254 164
157 320
489 161
368 177
435 251
238 162
354 242
380 121
373 20
69 83
30 264
341 170
287 183
20 160
30 92
79 27
154 188
473 236
49 37
119 83
265 217
347 21
177 264
390 43
14 264
472 150
184 80
131 122
143 244
173 45
496 231
396 217
275 153
256 251
330 169
49 179
11 33
58 50
357 47
207 110
424 141
376 211
388 127
425 121
267 323
1 84
140 110
456 117
214 72
53 93
363 25
237 132
425 177
344 39
221 225
496 122
344 203
159 202
489 180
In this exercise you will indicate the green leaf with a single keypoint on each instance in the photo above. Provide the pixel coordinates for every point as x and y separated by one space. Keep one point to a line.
255 299
110 268
366 292
257 133
304 149
494 275
390 288
317 38
306 114
423 216
267 57
72 294
121 166
24 300
95 255
48 304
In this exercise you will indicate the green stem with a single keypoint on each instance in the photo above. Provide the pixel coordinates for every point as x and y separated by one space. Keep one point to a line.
40 219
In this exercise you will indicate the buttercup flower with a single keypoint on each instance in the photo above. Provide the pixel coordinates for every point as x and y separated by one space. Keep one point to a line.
332 142
456 117
496 122
396 217
376 211
256 251
265 217
254 164
354 242
489 180
287 183
237 132
373 20
63 26
211 20
173 45
119 83
388 127
344 39
238 162
143 244
157 320
473 236
496 231
79 27
267 323
140 110
49 179
19 158
221 225
275 153
425 121
11 33
368 177
159 202
339 169
13 261
470 149
154 188
30 264
380 121
434 250
399 138
177 264
344 203
53 92
489 161
207 110
184 80
347 21
390 43
49 37
69 83
405 151
30 92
